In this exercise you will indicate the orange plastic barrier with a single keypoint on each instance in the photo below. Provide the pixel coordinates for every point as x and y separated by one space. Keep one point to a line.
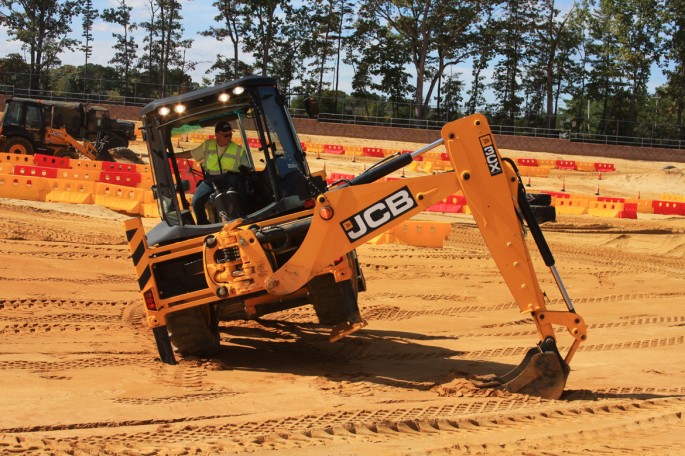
120 167
119 197
605 167
605 209
417 233
571 205
86 165
644 206
78 174
149 207
49 160
334 149
669 197
23 187
373 152
16 159
71 191
35 171
585 166
527 162
566 164
534 171
548 162
129 179
6 168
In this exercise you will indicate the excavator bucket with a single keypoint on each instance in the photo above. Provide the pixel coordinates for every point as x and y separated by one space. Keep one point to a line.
542 373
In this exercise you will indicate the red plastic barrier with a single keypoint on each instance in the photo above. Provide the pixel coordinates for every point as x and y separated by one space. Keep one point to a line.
51 161
605 167
456 199
35 171
120 178
556 194
254 143
418 158
304 146
340 176
527 161
183 164
444 156
665 207
610 199
567 164
372 152
334 149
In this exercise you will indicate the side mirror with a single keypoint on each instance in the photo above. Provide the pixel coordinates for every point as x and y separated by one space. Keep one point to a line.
311 106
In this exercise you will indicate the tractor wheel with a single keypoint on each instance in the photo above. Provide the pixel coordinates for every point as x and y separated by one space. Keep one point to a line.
194 332
70 153
335 302
544 213
18 145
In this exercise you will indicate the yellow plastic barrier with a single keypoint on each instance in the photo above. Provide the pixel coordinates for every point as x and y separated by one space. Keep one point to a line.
605 209
119 197
71 191
23 187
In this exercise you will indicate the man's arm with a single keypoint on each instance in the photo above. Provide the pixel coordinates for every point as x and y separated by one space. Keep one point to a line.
197 154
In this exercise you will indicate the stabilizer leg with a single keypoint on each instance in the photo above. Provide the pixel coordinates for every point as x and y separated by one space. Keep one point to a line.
166 352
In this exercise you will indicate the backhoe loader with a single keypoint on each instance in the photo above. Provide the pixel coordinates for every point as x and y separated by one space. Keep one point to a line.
294 243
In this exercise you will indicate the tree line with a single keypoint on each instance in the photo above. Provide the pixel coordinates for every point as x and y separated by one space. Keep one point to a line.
585 68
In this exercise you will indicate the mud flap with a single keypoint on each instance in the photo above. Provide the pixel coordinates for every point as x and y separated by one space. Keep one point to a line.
166 352
542 373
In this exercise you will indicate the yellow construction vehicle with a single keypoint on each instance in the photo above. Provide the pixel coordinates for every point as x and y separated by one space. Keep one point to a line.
293 242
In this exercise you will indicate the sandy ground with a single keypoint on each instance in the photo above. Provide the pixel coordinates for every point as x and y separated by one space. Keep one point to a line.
80 373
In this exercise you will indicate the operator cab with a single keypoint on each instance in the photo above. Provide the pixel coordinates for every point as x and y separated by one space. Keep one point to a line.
279 182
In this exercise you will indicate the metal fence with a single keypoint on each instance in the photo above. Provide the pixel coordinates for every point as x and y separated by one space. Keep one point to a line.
376 113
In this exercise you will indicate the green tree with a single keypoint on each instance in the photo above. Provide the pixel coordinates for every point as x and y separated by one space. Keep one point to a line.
125 46
89 15
42 27
439 34
674 18
517 22
262 23
231 14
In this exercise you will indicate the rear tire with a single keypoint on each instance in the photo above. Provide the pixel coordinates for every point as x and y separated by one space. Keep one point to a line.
194 332
18 145
544 214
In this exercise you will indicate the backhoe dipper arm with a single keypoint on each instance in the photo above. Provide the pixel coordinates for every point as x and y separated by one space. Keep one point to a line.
346 217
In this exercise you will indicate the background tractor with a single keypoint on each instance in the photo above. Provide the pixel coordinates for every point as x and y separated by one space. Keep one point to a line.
62 129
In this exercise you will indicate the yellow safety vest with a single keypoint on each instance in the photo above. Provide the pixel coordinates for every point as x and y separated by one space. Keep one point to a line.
229 161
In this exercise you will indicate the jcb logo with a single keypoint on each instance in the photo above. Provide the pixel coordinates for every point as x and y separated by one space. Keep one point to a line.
378 214
491 156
